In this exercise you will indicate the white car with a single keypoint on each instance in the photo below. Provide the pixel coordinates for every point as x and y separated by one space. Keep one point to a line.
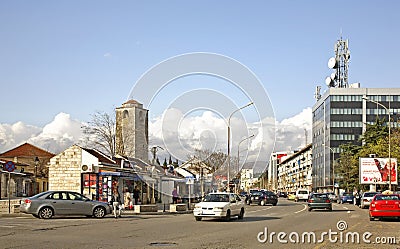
219 205
367 198
302 195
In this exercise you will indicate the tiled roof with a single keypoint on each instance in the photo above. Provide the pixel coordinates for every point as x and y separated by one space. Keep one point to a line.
27 150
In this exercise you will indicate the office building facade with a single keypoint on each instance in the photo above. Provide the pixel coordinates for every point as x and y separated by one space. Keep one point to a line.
340 116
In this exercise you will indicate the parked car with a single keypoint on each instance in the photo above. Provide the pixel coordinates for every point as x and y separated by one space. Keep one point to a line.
47 204
367 198
219 205
291 196
346 197
384 205
282 194
319 201
302 195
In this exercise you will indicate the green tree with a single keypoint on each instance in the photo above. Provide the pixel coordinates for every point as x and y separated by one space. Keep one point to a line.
347 167
375 140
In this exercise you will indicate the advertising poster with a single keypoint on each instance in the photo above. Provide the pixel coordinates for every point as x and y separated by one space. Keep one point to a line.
378 170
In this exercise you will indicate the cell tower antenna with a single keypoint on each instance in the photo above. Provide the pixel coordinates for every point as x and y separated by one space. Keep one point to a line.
340 63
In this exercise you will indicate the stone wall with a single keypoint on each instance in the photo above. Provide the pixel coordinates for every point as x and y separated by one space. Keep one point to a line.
65 170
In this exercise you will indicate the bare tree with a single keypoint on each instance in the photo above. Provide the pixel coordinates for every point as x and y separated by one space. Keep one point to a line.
100 132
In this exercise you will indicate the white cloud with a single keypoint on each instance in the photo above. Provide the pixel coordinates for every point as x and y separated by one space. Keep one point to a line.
107 55
55 137
291 132
12 135
179 135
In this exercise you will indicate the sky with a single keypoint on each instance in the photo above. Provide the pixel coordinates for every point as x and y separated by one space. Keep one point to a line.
62 61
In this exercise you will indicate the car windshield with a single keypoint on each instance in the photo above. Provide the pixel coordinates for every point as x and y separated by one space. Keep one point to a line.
216 198
319 196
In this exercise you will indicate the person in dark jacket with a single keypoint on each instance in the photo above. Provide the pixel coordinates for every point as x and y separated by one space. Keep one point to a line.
136 195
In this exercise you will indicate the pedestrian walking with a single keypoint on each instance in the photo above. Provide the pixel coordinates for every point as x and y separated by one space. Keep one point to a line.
175 196
117 204
136 195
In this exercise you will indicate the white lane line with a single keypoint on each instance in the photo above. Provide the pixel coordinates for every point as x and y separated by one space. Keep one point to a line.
254 211
305 207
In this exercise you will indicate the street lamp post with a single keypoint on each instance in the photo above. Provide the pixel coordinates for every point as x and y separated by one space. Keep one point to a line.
36 165
387 110
229 143
238 158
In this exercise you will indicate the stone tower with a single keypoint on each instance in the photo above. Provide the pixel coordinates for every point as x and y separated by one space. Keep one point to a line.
132 130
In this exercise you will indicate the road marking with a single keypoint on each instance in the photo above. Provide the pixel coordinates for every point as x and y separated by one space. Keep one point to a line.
254 211
305 207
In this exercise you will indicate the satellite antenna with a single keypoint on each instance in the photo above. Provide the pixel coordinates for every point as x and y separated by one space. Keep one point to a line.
317 94
339 63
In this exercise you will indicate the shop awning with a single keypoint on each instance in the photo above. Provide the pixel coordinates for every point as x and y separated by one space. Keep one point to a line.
147 178
13 173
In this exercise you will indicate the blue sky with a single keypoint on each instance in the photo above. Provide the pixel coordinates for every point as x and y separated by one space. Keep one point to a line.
61 61
81 56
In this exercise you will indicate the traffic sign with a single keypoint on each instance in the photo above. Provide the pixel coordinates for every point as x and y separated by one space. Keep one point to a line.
9 166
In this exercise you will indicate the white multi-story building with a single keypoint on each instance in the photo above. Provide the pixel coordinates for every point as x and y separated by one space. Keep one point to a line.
247 179
295 171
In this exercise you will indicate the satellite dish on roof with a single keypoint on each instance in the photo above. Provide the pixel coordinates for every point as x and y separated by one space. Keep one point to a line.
329 82
332 63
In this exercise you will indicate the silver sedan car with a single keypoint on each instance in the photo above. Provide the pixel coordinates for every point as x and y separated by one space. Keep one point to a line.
47 204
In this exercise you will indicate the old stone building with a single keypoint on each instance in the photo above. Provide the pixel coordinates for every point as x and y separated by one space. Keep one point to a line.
31 173
132 130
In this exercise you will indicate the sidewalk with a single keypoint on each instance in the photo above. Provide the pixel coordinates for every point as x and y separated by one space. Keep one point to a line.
162 209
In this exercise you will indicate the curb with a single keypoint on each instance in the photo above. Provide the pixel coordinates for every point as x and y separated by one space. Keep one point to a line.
126 212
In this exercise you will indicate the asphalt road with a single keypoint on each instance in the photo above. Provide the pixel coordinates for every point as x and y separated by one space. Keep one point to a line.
287 225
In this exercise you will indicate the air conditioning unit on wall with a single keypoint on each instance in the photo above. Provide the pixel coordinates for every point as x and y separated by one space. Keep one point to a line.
86 168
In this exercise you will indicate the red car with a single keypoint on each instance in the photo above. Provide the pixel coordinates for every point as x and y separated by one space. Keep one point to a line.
384 205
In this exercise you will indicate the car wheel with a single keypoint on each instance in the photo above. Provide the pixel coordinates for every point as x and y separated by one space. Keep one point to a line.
330 209
99 212
241 215
309 209
197 218
46 213
262 203
228 215
274 204
371 218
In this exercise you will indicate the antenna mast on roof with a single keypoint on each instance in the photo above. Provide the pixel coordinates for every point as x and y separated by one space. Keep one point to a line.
340 63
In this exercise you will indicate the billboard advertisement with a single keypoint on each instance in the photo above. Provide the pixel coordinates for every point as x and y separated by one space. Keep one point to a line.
378 170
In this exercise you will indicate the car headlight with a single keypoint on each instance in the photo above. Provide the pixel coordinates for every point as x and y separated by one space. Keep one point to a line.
197 206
